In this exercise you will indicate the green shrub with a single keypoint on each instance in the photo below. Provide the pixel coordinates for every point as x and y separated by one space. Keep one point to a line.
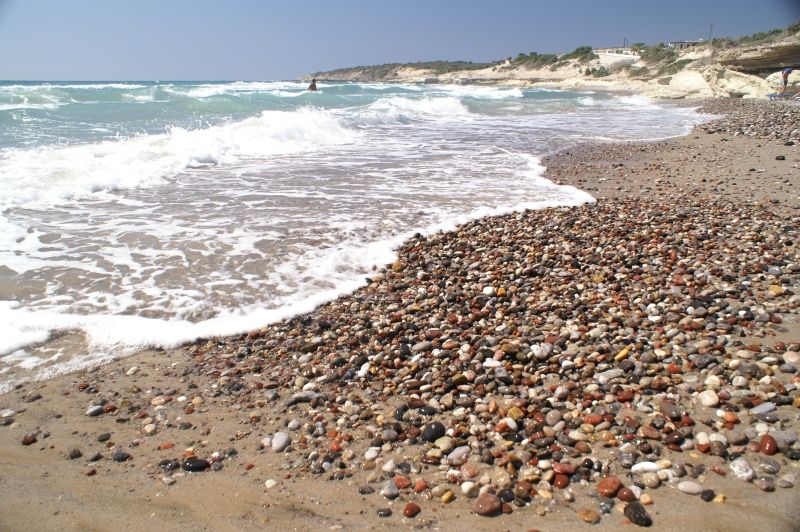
657 54
638 72
675 67
581 53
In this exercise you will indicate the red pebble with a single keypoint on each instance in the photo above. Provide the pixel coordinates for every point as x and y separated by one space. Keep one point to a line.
768 444
401 482
411 509
563 468
420 485
625 495
561 481
609 486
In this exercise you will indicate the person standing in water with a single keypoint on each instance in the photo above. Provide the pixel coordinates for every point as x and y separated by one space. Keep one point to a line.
313 85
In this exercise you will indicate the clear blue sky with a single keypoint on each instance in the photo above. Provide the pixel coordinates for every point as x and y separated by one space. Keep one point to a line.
285 39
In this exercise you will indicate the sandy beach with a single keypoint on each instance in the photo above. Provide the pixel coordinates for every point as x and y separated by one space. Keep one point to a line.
628 361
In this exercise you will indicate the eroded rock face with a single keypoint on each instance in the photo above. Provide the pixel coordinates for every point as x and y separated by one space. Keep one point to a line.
762 59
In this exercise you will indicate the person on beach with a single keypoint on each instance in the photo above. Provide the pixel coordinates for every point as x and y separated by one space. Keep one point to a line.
785 75
313 85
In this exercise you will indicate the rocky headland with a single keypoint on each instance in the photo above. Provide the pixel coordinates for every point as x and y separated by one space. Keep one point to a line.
725 68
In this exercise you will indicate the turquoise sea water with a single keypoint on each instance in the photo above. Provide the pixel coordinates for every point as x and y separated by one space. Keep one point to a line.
151 213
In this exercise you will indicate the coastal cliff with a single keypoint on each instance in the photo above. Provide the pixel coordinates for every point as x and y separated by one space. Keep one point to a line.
744 68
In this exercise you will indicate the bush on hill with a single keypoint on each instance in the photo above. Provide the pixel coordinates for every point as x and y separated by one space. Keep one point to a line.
657 54
581 53
535 60
675 67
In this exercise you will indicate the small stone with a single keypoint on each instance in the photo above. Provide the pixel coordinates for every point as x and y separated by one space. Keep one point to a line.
459 455
651 480
270 483
637 515
411 509
742 469
432 431
121 456
707 495
390 490
708 398
645 467
609 486
469 489
589 516
765 483
74 454
486 504
384 512
768 445
626 495
195 465
280 441
169 481
29 439
94 410
690 487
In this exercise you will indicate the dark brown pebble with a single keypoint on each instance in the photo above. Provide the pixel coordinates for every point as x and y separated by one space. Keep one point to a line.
384 512
626 495
411 509
768 444
637 515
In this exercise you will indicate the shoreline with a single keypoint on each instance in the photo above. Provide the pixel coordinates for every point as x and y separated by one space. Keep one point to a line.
355 360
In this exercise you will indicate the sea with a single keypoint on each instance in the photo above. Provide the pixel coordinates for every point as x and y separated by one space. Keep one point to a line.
149 214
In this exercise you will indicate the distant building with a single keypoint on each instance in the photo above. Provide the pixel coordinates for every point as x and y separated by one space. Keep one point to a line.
618 54
680 45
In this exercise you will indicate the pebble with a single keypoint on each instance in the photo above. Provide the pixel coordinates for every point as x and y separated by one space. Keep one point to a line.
768 445
459 455
280 441
121 456
469 489
765 483
708 398
94 410
589 516
195 465
432 431
742 469
486 504
637 515
645 467
690 487
411 509
390 490
609 486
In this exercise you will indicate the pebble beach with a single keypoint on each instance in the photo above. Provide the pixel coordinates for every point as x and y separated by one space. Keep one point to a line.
629 362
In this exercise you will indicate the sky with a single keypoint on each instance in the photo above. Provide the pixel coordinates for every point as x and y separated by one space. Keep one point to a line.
287 39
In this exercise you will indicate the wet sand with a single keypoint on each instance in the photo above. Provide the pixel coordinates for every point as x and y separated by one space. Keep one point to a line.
710 215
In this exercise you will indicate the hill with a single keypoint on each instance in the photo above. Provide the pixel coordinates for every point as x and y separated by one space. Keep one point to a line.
726 67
